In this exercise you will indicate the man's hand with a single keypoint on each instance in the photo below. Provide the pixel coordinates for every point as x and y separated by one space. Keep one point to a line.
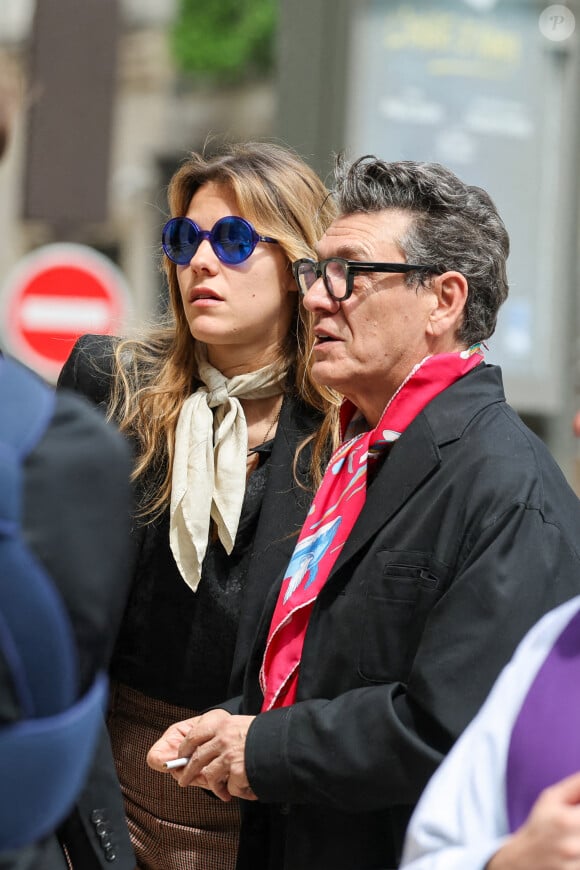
215 743
550 837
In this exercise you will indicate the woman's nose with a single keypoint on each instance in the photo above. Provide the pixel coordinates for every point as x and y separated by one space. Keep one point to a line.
204 257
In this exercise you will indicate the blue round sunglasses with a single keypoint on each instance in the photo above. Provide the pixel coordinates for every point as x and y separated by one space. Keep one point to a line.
233 239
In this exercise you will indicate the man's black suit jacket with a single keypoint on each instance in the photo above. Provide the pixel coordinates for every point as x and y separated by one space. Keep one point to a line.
469 534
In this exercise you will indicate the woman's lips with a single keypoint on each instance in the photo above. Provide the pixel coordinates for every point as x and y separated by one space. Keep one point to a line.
202 295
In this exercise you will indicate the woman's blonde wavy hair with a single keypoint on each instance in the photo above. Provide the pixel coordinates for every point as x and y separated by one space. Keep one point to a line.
154 374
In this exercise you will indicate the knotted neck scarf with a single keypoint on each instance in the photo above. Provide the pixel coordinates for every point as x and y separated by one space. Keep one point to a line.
334 511
209 465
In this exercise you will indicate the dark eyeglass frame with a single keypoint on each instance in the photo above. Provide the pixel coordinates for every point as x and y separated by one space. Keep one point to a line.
351 268
248 243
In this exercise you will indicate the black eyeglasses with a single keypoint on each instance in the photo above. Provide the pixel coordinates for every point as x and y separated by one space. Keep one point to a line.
338 274
233 239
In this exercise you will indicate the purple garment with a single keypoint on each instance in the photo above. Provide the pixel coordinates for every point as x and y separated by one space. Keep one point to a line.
545 740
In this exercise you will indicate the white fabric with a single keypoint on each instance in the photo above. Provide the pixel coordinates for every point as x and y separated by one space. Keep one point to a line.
209 465
461 819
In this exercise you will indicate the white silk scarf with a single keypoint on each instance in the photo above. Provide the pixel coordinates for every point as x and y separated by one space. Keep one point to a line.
209 465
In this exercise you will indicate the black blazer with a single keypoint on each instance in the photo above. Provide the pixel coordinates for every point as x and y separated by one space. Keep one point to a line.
284 507
468 535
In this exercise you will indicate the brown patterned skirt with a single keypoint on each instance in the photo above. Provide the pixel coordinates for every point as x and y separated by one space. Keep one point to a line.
171 828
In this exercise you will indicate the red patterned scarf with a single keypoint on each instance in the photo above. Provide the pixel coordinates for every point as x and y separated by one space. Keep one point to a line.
334 511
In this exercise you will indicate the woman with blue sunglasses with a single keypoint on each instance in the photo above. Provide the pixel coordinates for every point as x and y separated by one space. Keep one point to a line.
230 434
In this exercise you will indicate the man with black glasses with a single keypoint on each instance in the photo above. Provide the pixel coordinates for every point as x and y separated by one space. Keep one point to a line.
441 531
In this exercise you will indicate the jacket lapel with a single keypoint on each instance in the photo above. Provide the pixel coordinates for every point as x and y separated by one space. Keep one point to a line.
285 504
416 455
411 459
283 511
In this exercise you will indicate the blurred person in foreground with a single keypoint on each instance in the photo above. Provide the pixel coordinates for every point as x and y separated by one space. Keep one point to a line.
441 531
508 795
64 556
225 420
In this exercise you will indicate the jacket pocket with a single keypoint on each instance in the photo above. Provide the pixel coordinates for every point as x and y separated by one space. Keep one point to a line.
397 602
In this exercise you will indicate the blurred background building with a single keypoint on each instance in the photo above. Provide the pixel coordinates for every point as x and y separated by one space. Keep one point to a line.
107 96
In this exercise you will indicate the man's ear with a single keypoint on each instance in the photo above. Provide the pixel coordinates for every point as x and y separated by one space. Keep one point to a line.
450 290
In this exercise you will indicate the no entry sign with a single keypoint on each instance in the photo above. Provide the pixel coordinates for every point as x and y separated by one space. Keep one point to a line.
55 294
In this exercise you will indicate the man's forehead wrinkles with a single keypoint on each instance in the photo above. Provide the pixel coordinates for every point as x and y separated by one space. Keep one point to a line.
350 251
347 242
364 236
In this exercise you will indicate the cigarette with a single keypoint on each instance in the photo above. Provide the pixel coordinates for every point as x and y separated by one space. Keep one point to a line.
177 762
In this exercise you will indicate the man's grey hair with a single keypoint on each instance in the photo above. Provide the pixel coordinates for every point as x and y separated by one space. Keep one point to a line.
456 227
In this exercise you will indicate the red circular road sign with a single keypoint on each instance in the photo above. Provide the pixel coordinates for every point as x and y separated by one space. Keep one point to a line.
55 294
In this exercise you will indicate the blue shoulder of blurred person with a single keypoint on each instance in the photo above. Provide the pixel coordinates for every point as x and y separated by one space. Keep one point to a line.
74 493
